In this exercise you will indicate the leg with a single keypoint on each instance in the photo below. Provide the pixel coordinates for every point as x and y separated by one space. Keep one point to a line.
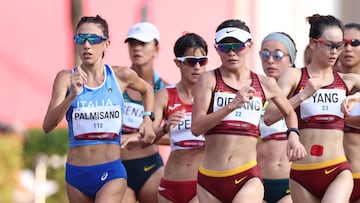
112 191
162 199
149 191
129 196
286 199
205 197
252 191
299 194
76 196
340 188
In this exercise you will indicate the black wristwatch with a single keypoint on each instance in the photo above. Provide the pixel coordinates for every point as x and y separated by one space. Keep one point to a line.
292 130
150 114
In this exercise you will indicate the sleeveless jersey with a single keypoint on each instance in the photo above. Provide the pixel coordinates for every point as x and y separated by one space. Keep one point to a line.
95 116
181 136
354 112
134 110
241 121
276 131
322 109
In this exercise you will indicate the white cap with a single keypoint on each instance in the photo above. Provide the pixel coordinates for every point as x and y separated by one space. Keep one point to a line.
144 32
233 32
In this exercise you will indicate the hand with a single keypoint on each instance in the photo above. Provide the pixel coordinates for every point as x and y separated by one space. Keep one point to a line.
245 94
147 134
174 119
295 150
312 85
348 103
128 139
78 79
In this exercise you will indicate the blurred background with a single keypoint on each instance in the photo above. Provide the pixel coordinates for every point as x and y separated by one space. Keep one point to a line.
37 42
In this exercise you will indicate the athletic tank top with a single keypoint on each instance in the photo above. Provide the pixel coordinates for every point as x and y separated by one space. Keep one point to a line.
133 111
181 136
242 121
95 116
354 112
322 109
276 131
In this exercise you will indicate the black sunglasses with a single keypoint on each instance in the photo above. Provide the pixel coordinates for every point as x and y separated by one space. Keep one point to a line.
352 42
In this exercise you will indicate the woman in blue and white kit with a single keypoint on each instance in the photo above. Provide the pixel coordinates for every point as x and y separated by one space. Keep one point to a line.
174 104
90 96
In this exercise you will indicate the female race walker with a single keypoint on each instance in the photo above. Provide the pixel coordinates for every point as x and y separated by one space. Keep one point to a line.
90 96
174 104
228 102
316 92
278 53
144 165
350 63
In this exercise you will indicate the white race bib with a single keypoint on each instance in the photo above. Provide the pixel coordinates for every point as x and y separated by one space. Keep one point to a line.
100 119
249 112
323 102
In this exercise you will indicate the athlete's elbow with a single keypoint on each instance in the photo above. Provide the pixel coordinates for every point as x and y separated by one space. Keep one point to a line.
47 128
195 130
267 119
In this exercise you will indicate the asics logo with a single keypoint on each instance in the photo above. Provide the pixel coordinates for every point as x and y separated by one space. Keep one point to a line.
104 176
330 171
174 106
148 168
237 181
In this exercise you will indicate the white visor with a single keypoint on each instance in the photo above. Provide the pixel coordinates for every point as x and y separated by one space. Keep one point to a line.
233 32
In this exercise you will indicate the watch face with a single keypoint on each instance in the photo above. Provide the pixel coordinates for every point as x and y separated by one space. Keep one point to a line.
150 114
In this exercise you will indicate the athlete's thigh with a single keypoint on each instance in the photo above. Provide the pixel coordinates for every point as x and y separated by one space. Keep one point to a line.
112 191
162 199
149 191
340 189
286 199
251 191
194 200
129 196
204 196
76 196
300 195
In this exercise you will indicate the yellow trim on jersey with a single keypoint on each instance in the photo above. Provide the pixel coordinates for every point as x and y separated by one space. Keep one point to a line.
304 167
356 175
227 173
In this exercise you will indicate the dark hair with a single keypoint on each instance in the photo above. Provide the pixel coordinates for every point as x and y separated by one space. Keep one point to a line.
352 26
233 23
318 23
96 20
189 40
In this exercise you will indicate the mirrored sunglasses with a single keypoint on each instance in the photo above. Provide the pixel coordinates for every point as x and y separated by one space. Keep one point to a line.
352 42
91 38
330 45
227 47
277 55
192 60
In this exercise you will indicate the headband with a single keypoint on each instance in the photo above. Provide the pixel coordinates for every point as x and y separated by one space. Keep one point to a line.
285 40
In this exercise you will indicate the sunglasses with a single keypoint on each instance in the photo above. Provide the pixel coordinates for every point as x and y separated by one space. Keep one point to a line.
352 42
277 55
192 60
227 47
91 38
330 45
